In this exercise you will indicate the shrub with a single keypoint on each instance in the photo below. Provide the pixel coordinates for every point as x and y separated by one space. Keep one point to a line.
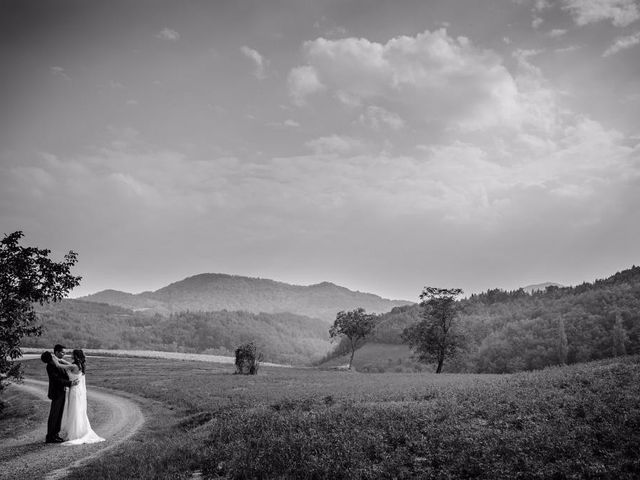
248 359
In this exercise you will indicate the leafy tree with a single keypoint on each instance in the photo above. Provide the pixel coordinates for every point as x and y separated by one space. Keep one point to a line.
355 325
248 359
434 337
27 276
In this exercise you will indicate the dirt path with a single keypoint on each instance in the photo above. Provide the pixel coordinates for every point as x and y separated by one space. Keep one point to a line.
25 455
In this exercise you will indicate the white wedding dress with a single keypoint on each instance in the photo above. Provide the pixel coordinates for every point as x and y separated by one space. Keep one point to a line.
75 428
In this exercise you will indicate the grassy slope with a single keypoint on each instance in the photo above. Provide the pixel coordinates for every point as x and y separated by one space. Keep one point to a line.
581 421
379 358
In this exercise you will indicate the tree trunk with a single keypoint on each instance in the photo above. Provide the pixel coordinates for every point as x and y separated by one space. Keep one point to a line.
353 352
440 362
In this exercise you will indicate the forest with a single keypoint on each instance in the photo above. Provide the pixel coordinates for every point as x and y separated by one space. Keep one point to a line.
509 331
504 331
282 338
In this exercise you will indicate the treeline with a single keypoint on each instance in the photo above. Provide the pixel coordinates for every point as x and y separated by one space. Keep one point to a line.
283 338
509 331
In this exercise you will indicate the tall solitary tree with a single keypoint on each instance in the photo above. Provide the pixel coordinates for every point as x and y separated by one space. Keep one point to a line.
355 325
435 337
27 276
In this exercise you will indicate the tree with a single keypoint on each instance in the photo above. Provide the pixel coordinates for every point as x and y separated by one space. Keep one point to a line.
27 276
248 359
355 325
435 338
563 344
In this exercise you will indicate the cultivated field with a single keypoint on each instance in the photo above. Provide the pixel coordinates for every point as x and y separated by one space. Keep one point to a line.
576 422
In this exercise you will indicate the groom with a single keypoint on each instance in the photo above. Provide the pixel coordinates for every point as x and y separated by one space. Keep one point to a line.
58 380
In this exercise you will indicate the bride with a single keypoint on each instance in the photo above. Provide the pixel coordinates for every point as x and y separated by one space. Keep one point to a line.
75 428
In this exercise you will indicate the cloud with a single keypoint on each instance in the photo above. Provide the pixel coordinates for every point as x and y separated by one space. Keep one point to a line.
288 123
59 72
260 63
622 43
570 48
537 22
378 118
168 34
620 12
337 144
431 77
303 82
557 32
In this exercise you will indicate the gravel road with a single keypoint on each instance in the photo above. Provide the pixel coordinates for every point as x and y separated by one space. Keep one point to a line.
25 455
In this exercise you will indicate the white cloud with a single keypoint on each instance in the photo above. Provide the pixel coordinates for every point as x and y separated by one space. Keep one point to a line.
302 82
557 32
168 34
377 118
288 123
537 22
259 61
335 144
570 48
59 72
622 43
620 12
432 77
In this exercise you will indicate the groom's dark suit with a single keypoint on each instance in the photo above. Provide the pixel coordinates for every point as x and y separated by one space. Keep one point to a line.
58 379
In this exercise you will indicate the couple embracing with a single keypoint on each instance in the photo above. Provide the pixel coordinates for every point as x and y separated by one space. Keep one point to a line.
68 421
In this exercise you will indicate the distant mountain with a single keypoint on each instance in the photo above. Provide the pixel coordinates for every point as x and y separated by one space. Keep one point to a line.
216 292
540 287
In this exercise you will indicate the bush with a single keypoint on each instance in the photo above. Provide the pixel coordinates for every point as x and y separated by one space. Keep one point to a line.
248 359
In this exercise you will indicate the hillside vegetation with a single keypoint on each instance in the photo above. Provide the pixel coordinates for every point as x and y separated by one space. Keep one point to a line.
214 292
283 338
510 331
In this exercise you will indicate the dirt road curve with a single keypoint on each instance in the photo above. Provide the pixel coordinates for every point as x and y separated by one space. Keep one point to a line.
26 456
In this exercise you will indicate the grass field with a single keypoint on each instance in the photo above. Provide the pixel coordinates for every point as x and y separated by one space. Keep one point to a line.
380 358
576 422
21 412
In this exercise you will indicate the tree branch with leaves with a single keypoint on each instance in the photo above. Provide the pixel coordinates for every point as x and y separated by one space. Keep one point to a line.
27 276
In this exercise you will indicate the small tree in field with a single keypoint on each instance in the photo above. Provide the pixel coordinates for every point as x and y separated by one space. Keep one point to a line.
27 276
355 325
248 359
435 337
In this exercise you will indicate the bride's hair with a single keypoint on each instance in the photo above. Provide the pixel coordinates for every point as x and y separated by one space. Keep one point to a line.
79 359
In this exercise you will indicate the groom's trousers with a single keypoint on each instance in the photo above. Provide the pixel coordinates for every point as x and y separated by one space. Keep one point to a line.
55 417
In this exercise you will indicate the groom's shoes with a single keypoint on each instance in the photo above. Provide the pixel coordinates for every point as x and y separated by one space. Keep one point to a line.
54 440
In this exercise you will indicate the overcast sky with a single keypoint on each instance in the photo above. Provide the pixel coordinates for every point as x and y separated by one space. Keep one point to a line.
382 146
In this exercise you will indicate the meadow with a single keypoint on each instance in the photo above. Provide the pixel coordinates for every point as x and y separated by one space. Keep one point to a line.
581 421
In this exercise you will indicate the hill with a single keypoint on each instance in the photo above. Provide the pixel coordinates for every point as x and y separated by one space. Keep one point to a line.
509 331
216 292
283 338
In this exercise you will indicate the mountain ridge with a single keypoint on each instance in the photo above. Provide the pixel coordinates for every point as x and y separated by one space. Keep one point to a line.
220 291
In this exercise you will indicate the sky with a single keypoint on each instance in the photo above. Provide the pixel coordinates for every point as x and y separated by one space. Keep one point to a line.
381 146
